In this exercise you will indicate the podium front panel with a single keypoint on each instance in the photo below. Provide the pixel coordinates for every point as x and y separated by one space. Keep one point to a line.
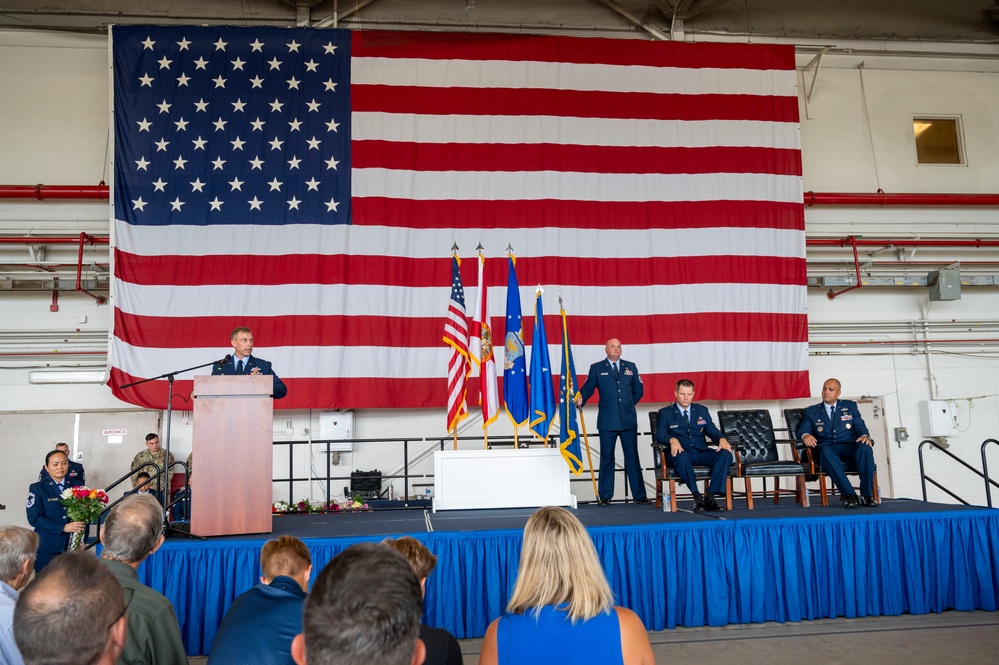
233 437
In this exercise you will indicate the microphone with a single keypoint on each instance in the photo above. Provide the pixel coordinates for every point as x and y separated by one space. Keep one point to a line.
222 363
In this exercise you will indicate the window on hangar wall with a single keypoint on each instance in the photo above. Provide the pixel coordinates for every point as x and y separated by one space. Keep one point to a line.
938 140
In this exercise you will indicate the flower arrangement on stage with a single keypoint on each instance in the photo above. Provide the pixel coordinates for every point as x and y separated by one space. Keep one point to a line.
305 506
83 504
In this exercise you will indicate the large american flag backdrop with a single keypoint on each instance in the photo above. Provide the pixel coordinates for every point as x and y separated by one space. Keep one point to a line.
309 184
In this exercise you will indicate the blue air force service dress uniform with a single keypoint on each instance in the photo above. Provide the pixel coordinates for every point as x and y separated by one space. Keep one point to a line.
836 440
690 434
251 363
48 517
616 417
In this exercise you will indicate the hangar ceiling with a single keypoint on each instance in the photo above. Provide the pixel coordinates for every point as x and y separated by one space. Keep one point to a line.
922 20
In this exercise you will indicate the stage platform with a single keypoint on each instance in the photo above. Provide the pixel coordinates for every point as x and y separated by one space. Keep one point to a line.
774 563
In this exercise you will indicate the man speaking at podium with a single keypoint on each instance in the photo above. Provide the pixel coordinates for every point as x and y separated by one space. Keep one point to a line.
243 362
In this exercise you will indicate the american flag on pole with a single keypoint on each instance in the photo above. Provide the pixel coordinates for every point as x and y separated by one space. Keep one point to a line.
306 184
456 336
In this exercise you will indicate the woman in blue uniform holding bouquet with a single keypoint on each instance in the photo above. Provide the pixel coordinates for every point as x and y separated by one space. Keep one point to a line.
47 514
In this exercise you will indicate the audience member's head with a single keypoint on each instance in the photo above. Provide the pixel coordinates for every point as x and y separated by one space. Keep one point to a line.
419 557
18 547
142 481
72 614
558 564
63 446
133 530
286 556
364 608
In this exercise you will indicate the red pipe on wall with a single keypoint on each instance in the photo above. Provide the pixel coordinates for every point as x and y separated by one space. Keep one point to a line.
53 240
42 192
101 191
84 238
888 242
883 199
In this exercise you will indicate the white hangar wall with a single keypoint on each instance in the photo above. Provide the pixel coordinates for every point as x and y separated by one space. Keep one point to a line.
856 134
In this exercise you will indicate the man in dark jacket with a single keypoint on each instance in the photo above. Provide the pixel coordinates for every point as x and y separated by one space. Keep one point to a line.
620 389
837 432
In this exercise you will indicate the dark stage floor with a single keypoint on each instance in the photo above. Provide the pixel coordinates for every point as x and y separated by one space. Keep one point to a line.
385 522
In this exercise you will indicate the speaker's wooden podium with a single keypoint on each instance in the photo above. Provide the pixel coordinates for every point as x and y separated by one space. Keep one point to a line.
233 436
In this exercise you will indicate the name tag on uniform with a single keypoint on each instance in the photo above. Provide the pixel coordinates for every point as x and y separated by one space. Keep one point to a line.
604 373
55 499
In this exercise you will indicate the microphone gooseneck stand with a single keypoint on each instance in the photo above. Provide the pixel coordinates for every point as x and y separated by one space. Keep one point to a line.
164 472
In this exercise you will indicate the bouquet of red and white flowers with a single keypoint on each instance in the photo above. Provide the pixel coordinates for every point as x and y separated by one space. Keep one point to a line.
82 505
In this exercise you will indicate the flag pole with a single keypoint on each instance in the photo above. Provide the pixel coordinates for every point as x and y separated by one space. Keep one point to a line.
516 427
482 365
456 337
589 460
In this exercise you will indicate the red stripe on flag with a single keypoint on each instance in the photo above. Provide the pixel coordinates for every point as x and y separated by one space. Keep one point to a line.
575 158
431 392
397 332
582 50
409 213
571 103
410 272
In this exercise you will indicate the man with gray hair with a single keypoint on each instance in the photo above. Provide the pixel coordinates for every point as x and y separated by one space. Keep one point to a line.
364 608
18 547
72 614
132 531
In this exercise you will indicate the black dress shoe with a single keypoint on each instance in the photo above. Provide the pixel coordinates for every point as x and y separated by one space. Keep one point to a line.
644 500
712 506
603 502
868 502
699 506
851 502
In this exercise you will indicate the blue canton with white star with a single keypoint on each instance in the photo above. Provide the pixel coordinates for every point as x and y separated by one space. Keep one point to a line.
231 125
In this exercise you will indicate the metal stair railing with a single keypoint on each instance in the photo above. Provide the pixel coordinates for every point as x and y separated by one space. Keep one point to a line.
924 478
985 472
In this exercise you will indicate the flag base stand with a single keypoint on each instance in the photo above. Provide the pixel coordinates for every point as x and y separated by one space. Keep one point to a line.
524 478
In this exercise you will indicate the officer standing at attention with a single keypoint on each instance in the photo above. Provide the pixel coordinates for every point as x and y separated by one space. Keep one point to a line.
620 389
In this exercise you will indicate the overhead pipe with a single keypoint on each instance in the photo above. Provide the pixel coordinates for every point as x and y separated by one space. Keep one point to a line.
42 192
53 240
83 239
101 191
79 271
888 242
883 199
856 264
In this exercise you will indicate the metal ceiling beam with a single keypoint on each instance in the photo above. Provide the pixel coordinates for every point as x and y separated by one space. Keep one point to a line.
652 30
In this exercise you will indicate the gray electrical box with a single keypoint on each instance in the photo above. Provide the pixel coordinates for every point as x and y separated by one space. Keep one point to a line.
945 284
936 418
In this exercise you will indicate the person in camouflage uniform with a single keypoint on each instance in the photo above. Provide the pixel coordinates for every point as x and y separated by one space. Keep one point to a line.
153 453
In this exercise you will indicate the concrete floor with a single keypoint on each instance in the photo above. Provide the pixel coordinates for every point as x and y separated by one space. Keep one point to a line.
954 638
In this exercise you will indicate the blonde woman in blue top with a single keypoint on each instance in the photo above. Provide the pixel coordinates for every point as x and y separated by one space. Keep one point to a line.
562 609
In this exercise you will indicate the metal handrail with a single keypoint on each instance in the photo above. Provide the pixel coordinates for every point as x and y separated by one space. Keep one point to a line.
922 470
153 478
985 472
